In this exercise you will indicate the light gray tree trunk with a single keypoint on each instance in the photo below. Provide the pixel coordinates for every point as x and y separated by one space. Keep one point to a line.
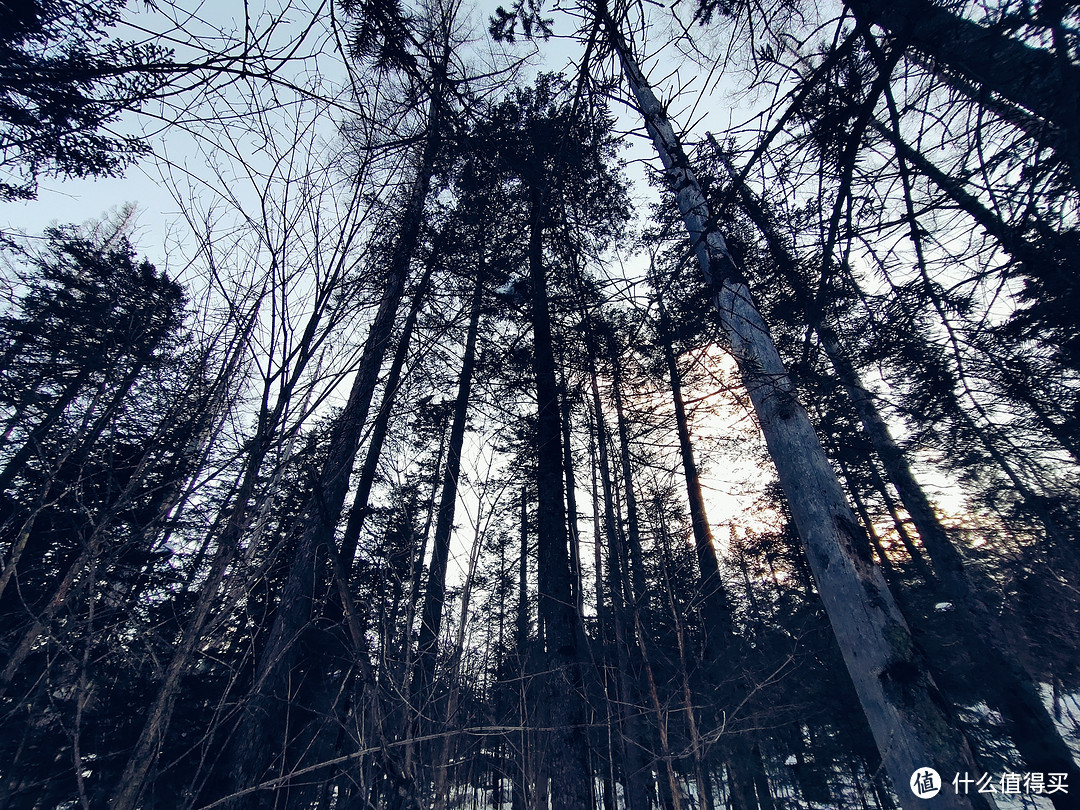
898 697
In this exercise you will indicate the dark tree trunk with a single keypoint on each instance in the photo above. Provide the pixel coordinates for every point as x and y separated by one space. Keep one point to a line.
636 765
721 643
569 764
19 459
359 511
637 566
714 593
571 508
519 795
144 754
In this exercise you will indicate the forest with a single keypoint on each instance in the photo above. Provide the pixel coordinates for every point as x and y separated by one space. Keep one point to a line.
568 405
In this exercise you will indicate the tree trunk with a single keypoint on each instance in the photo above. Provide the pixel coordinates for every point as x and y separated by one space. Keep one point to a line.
576 581
635 764
235 513
519 792
897 694
704 786
634 585
718 625
1013 691
721 643
366 479
604 629
637 566
450 736
18 461
868 522
562 632
914 552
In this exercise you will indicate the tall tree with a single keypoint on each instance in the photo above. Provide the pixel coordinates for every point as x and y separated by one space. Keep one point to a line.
114 408
315 567
558 184
1013 691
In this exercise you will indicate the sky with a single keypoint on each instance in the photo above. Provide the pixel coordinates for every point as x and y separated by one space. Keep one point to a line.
181 145
186 147
219 167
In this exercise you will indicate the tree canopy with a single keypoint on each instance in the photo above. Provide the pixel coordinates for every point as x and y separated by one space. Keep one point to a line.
694 428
